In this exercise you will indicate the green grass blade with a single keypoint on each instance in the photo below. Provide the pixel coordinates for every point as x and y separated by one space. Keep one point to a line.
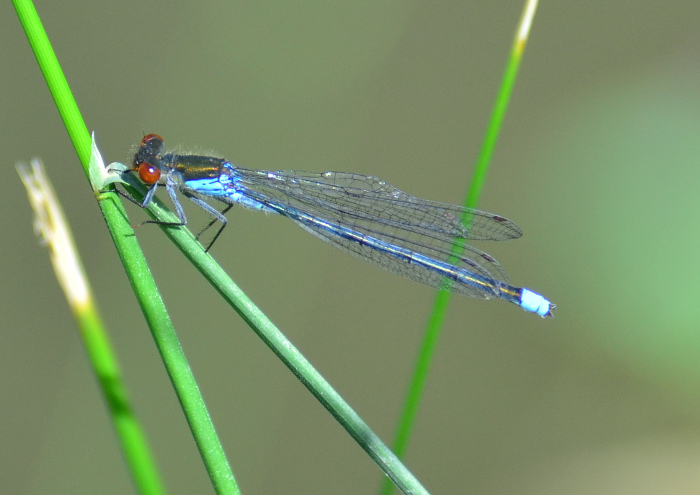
442 298
168 344
501 105
158 320
281 346
51 223
134 263
58 86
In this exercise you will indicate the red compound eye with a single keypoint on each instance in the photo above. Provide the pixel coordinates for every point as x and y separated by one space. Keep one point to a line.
148 173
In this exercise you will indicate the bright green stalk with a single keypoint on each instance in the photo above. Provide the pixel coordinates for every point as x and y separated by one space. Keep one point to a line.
134 263
169 347
162 330
282 347
442 299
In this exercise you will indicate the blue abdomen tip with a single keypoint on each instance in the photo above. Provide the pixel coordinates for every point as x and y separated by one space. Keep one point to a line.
531 301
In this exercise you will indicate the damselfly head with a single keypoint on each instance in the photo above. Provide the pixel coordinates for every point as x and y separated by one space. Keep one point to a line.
149 151
147 159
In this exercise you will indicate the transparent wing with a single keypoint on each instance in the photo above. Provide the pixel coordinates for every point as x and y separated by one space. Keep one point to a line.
371 206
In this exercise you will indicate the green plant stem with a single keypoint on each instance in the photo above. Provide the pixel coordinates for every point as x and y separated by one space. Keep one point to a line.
55 79
134 263
50 222
133 441
166 340
283 348
442 298
157 318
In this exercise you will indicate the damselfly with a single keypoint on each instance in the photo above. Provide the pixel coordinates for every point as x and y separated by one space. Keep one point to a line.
423 240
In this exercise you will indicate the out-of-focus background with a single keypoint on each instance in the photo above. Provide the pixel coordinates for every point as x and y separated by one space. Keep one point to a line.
598 162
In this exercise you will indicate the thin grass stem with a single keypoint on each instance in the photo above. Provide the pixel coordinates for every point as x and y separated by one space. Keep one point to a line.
133 260
51 225
442 298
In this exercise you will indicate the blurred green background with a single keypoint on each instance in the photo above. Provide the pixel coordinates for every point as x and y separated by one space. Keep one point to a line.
598 162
